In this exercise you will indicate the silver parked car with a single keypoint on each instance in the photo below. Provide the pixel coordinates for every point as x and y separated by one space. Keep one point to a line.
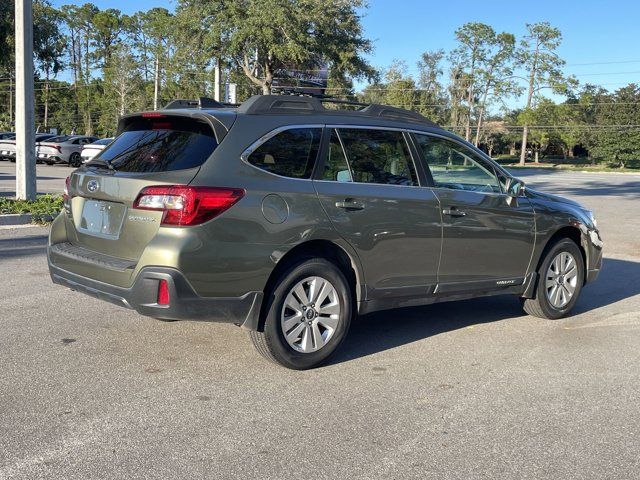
8 144
92 149
63 149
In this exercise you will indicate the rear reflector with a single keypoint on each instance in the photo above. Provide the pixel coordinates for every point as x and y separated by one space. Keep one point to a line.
183 205
163 293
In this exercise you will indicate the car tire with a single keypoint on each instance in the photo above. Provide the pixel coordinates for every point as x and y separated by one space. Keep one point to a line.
75 160
560 280
49 163
315 331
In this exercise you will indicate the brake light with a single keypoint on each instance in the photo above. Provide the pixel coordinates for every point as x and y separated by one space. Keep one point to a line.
57 147
153 115
184 205
65 192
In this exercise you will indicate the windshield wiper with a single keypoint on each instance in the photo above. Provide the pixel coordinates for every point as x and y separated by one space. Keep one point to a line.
98 162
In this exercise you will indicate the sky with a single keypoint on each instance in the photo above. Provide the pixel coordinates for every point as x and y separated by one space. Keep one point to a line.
600 38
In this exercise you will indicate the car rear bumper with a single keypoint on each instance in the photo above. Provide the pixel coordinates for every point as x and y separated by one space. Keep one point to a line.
49 158
184 303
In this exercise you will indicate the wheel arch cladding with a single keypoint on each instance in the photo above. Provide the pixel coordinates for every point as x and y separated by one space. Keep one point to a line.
312 249
570 232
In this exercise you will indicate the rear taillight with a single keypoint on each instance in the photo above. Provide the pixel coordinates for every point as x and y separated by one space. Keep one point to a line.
65 192
57 147
183 205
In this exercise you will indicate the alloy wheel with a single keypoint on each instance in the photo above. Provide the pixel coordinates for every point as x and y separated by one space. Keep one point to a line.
561 280
310 314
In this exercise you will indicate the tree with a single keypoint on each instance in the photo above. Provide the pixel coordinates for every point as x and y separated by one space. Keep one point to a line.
432 96
49 43
474 41
617 137
151 31
496 80
537 56
107 27
264 37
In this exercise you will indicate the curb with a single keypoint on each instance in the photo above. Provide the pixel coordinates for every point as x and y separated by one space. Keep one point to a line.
19 219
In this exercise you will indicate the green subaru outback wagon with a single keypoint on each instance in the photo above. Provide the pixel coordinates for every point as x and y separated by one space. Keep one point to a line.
288 218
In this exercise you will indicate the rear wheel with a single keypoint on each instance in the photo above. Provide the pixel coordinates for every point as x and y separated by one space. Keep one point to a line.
560 279
307 316
74 160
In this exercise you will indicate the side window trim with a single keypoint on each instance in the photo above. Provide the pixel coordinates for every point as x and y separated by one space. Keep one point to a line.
244 156
344 152
477 158
424 174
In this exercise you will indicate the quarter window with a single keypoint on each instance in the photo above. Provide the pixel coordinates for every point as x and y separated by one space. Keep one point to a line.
291 153
377 156
455 167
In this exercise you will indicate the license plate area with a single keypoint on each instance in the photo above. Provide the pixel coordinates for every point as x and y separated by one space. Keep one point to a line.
102 219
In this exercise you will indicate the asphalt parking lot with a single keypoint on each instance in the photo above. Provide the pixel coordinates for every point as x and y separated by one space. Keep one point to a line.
465 390
50 178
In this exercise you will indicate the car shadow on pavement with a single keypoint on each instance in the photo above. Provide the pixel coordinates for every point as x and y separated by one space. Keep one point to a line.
382 331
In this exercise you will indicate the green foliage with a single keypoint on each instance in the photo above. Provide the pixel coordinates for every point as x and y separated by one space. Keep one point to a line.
94 65
42 209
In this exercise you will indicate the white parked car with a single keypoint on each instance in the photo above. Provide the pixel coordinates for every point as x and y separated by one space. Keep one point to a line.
63 149
8 145
92 149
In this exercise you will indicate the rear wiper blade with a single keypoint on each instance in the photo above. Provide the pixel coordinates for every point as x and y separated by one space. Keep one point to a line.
98 162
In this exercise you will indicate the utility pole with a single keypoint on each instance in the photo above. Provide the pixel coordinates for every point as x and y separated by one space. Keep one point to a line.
25 135
216 81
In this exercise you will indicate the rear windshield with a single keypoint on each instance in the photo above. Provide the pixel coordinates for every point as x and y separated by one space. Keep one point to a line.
104 141
159 144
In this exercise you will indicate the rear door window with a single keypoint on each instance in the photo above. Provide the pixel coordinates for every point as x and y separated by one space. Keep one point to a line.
159 144
378 156
290 153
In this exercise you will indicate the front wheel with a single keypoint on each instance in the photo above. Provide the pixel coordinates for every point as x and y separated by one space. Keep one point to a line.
560 279
307 315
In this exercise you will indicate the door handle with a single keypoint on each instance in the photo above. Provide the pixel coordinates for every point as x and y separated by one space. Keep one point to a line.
454 212
350 204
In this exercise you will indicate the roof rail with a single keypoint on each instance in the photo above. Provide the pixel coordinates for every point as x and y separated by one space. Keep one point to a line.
202 102
283 104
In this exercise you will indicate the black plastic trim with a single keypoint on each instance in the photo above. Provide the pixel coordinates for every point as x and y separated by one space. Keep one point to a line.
185 303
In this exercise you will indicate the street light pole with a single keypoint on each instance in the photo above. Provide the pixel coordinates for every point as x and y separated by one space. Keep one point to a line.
25 129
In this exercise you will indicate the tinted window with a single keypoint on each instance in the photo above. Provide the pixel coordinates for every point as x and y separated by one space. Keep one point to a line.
159 145
291 153
104 141
60 139
378 156
456 167
336 167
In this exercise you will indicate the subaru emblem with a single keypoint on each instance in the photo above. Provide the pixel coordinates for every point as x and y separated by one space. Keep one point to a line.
93 185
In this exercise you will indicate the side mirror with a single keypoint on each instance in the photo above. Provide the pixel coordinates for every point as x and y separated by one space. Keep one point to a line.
515 188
